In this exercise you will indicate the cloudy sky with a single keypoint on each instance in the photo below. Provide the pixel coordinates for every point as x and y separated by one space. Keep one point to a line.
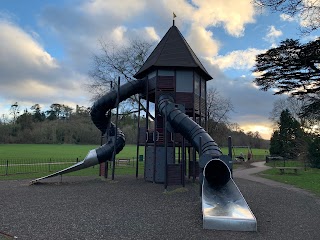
46 47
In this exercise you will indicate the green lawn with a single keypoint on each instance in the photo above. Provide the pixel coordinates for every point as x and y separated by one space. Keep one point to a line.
67 155
21 159
69 152
43 152
309 179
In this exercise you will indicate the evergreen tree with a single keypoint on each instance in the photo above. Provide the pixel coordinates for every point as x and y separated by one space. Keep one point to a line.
275 144
286 141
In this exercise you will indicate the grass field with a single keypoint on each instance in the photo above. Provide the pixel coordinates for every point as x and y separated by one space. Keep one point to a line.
28 160
70 152
308 178
67 155
21 161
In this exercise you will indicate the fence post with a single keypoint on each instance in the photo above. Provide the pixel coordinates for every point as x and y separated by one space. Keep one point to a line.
7 166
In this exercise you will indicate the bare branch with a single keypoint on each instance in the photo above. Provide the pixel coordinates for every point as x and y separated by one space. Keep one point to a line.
308 11
114 61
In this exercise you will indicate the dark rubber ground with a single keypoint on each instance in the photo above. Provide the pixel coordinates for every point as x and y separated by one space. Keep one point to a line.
94 208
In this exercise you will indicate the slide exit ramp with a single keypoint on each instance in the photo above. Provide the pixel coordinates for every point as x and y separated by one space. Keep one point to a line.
223 206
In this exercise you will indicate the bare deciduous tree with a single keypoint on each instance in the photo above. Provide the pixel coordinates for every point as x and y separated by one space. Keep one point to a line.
307 10
118 61
296 107
14 111
218 109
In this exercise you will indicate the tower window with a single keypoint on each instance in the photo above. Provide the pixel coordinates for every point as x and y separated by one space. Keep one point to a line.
184 81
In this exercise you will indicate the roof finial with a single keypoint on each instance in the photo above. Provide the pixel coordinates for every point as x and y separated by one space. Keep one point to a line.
174 16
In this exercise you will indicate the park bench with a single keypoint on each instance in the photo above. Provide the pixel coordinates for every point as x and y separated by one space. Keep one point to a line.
123 161
284 169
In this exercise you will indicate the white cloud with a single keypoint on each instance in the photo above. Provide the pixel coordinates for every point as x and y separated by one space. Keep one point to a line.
122 10
286 17
151 32
118 33
201 41
115 21
272 34
233 15
239 59
310 18
23 51
29 73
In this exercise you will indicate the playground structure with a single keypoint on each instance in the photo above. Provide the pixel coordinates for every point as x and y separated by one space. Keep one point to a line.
174 81
241 157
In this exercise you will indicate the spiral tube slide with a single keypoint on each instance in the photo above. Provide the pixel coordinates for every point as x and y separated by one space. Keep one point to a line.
99 118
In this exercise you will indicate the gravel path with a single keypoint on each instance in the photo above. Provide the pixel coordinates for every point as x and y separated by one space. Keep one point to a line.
94 208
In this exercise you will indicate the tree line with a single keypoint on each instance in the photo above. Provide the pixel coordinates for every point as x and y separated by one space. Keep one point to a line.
62 124
59 124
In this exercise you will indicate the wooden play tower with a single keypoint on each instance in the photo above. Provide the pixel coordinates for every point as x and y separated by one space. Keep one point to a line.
175 70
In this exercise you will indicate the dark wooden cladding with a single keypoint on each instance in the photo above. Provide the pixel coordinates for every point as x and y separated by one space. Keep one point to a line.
166 83
203 106
196 104
160 136
142 135
191 173
152 83
178 138
185 98
159 121
174 174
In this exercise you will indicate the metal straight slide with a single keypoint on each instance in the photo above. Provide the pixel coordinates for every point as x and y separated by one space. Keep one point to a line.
223 206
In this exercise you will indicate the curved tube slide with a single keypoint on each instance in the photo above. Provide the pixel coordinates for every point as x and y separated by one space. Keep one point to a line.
189 129
98 116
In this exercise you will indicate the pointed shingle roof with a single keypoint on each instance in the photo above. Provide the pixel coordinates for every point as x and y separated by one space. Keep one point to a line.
172 51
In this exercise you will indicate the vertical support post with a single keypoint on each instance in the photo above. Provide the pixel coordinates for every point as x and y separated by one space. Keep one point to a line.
154 144
138 138
205 107
116 130
189 162
147 129
166 148
230 147
200 153
230 152
106 164
194 164
183 165
155 131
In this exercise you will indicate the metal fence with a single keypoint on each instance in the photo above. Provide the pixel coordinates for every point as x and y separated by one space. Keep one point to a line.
49 165
26 166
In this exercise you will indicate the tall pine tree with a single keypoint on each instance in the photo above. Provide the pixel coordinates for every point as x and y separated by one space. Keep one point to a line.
286 141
